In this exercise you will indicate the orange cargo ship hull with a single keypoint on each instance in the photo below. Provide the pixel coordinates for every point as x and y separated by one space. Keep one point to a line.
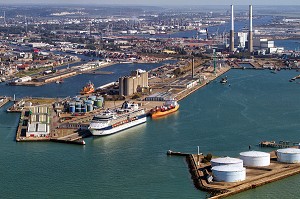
87 92
163 113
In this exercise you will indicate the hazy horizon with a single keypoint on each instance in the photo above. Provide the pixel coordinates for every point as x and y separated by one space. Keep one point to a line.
154 2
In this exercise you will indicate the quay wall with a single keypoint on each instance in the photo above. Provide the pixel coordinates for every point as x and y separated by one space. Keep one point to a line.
199 178
4 101
187 92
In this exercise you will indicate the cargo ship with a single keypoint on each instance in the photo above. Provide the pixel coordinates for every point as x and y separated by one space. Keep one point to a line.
170 106
113 121
88 88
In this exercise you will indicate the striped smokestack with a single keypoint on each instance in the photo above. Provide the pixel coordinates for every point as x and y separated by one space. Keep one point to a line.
232 31
250 37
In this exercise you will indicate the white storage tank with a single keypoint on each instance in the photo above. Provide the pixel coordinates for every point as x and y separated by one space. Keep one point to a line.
288 155
255 158
226 161
229 173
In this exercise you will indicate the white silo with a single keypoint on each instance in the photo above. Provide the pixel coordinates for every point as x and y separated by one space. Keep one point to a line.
226 161
228 173
288 155
255 158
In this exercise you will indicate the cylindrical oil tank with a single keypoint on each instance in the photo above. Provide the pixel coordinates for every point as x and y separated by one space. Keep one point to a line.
226 161
100 98
78 107
92 97
228 173
83 108
76 98
255 158
78 104
89 102
83 98
89 107
72 108
288 155
98 103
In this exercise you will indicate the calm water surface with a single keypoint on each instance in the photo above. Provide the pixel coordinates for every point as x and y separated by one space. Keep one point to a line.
221 119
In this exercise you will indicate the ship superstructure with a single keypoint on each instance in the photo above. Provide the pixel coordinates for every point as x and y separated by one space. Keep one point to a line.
113 121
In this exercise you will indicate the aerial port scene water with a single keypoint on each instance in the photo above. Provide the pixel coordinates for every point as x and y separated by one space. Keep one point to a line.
149 99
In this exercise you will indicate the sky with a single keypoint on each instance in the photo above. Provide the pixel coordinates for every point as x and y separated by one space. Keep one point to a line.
157 2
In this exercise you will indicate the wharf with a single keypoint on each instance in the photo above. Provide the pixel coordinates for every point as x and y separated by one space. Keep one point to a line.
169 152
256 176
254 65
281 144
4 100
99 72
54 134
211 77
61 74
69 136
22 129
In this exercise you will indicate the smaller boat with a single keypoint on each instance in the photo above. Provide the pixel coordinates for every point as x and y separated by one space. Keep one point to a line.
223 80
59 81
170 106
88 88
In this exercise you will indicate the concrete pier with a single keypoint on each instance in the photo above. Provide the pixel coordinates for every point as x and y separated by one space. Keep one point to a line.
210 77
61 74
3 101
256 176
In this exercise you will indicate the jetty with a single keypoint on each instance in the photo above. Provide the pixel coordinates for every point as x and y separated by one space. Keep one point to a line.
169 152
281 144
4 100
201 174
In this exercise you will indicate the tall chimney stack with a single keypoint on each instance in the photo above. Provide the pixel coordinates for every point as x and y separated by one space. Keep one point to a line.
250 36
232 31
4 18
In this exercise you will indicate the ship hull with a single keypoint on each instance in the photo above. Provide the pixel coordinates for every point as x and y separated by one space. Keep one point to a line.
111 130
86 92
164 113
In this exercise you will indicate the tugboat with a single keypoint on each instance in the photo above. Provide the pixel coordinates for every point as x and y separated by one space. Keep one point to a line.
170 106
223 80
88 88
